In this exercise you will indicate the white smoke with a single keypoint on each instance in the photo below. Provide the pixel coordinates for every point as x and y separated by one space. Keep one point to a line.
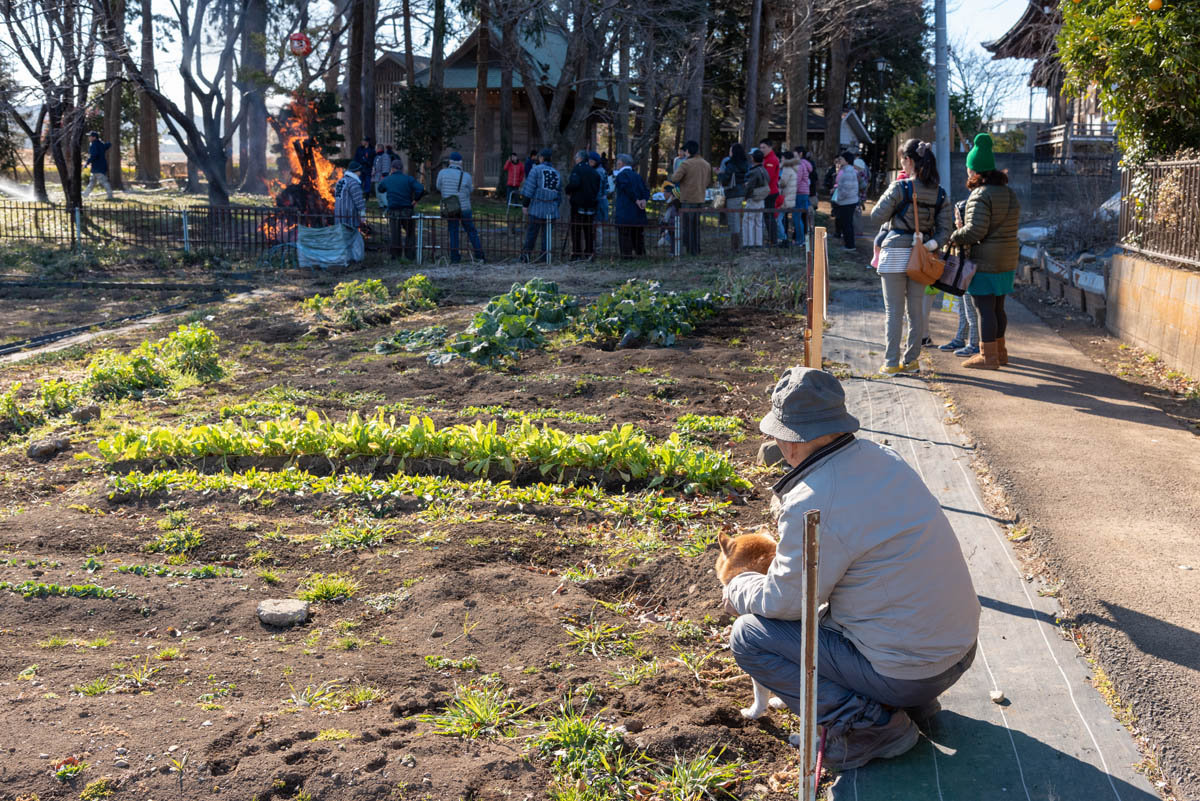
17 191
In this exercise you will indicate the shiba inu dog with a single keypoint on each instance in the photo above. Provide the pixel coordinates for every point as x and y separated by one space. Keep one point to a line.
749 553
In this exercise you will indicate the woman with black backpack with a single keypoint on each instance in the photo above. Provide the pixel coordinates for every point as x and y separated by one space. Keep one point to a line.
916 213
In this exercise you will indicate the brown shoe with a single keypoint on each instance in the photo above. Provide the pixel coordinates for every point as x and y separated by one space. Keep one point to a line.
1001 351
987 359
857 747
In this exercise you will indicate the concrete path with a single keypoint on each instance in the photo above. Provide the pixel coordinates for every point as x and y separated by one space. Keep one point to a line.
1053 739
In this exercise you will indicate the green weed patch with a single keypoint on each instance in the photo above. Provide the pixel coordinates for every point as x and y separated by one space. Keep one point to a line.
352 302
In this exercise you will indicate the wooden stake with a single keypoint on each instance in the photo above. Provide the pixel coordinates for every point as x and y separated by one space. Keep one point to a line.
818 283
808 691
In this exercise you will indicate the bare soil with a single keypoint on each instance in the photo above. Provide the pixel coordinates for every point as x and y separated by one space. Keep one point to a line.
471 579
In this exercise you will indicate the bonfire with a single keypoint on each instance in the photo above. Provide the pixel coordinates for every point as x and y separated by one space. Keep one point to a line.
308 197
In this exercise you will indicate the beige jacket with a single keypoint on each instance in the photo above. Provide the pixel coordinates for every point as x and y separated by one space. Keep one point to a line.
788 182
693 177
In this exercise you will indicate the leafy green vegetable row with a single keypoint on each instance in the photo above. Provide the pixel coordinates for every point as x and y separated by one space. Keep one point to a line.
480 448
646 507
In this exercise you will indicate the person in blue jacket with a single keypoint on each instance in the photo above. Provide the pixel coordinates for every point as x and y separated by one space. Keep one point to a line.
542 192
630 212
365 156
98 160
402 193
602 199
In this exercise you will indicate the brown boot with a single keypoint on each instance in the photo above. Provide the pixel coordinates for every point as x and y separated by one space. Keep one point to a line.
987 359
1001 351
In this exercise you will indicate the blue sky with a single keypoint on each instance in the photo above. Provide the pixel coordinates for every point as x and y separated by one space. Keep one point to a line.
976 21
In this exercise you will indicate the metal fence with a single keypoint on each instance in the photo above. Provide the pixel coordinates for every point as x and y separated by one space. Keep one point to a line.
245 231
1090 166
1160 211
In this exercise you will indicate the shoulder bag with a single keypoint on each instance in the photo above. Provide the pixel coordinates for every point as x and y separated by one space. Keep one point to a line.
923 267
451 205
957 275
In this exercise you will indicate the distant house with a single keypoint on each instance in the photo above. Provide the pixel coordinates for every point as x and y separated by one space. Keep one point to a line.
1077 137
852 133
546 53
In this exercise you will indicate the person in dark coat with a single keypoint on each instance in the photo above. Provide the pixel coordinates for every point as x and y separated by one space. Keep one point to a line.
630 213
583 190
98 160
402 192
365 156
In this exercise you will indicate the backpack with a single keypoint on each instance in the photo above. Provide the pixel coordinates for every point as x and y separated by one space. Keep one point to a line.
907 188
451 205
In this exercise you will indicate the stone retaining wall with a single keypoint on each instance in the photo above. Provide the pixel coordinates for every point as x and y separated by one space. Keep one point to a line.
1157 308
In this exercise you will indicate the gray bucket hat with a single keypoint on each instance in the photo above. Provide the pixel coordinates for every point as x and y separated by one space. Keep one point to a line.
806 404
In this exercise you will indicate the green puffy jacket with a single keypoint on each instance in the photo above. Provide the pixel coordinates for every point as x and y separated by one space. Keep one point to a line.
990 229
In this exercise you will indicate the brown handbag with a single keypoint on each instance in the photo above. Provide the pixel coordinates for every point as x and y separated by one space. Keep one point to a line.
923 267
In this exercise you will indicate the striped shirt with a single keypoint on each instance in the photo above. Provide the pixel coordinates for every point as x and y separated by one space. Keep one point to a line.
894 260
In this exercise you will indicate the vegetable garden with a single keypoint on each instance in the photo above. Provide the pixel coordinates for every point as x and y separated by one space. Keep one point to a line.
502 511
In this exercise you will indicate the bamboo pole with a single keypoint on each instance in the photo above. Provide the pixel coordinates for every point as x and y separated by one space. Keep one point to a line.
810 775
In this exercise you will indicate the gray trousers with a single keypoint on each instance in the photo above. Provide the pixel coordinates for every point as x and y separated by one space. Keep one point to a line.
98 179
850 693
898 293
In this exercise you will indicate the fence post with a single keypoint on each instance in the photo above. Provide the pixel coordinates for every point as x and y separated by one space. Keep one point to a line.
549 243
187 244
678 231
78 230
420 239
815 324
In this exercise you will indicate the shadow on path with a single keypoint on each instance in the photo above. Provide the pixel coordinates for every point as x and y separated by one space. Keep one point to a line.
1088 391
977 760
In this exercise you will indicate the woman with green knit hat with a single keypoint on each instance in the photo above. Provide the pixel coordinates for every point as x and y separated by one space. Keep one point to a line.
989 229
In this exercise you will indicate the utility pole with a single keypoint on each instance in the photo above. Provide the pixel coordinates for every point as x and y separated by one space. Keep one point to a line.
942 102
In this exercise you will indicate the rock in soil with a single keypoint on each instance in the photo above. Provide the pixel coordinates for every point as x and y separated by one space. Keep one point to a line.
283 612
997 696
48 448
85 413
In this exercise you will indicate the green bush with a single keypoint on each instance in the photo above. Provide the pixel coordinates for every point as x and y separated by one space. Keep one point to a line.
17 415
639 311
58 395
192 350
112 375
351 299
515 321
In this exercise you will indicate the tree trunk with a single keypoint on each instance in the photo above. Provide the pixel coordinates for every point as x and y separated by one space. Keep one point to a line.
797 77
623 108
39 173
149 166
766 70
507 33
835 97
750 117
695 94
113 86
481 104
254 75
410 62
354 68
370 15
437 68
335 52
193 169
230 177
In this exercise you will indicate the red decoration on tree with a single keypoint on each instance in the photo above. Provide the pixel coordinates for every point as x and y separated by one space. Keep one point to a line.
300 45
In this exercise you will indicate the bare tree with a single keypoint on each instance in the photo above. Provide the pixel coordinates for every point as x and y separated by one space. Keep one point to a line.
254 82
10 106
205 142
987 83
55 40
799 50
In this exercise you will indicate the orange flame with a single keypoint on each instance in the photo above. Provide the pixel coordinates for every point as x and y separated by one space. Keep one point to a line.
300 118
